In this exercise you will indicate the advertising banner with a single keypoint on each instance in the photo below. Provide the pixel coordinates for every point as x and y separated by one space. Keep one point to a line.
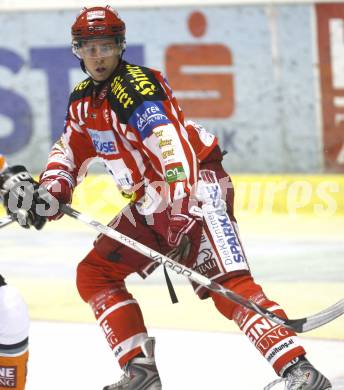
330 23
247 73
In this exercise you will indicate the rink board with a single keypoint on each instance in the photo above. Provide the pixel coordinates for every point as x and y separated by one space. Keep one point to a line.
296 256
61 303
319 195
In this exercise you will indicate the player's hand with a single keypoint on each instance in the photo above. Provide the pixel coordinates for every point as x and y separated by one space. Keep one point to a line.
184 232
22 197
60 185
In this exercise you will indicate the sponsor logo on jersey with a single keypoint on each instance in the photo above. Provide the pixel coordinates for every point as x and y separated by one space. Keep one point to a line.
120 92
165 142
126 184
231 238
118 351
279 350
8 377
168 153
125 181
140 80
270 339
225 239
104 142
174 174
148 116
109 333
209 188
158 133
207 262
82 85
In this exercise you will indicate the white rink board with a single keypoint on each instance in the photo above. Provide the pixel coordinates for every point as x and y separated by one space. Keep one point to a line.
14 5
66 356
262 79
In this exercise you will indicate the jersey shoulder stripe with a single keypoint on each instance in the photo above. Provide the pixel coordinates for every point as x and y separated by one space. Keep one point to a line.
131 87
81 90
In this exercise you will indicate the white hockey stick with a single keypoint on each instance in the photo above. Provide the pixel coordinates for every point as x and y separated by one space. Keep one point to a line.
5 221
298 325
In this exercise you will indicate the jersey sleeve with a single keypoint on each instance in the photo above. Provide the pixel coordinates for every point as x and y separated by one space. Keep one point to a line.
71 155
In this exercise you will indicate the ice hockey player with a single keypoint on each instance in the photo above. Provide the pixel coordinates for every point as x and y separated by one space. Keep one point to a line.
14 338
128 116
14 332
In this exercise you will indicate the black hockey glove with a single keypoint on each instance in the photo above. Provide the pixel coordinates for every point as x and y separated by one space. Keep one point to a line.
23 199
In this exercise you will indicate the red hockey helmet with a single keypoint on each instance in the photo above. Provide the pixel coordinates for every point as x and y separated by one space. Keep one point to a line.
98 22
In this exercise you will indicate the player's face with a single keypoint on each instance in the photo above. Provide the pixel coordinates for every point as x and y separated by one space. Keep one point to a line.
101 56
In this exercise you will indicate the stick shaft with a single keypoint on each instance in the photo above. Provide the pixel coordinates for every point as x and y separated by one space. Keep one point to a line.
297 325
5 221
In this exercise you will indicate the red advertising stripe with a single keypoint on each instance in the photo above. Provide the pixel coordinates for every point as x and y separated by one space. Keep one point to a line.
330 26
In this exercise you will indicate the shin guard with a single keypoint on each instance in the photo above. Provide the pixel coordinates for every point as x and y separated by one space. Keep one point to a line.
276 343
120 317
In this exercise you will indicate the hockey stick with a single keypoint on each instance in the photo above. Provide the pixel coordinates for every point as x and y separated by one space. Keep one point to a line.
298 325
5 221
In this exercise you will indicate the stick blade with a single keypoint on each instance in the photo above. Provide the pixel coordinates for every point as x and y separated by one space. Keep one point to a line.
317 320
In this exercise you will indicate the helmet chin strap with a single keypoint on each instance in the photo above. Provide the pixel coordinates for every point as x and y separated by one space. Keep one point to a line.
83 67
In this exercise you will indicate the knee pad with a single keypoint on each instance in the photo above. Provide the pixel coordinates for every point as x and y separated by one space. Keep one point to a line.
243 285
87 275
96 274
121 320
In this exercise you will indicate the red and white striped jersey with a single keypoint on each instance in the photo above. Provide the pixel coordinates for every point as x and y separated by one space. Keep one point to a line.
134 124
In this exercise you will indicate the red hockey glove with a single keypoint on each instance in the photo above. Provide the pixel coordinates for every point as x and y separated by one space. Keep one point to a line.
60 185
184 232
